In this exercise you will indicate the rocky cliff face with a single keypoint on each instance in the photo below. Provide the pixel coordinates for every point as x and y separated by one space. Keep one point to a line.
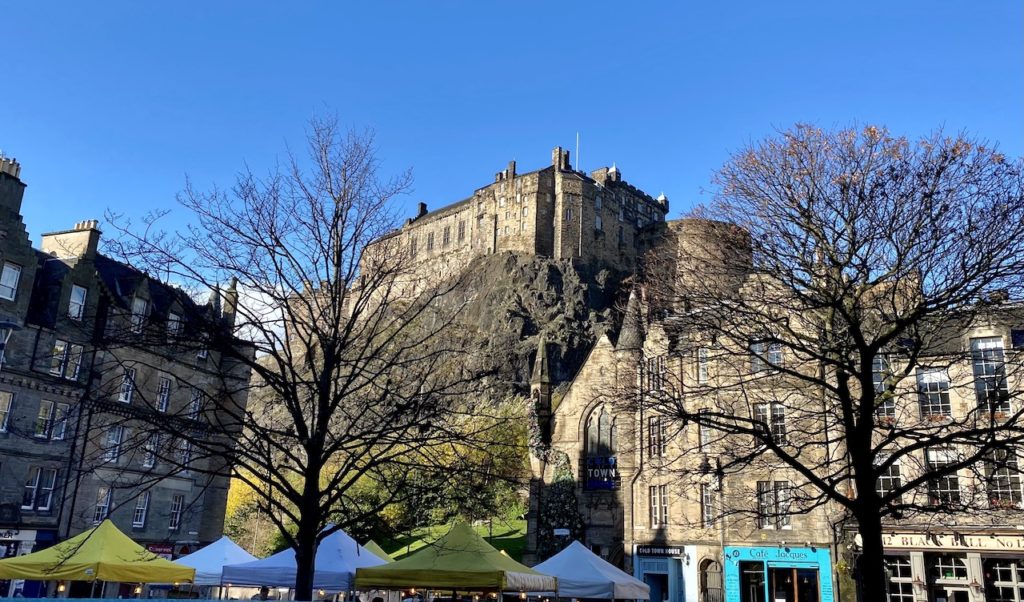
513 298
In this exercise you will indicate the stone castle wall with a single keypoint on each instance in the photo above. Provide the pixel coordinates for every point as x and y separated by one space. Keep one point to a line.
597 220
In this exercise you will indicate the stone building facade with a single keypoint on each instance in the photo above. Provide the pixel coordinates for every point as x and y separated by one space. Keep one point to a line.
707 537
90 340
598 220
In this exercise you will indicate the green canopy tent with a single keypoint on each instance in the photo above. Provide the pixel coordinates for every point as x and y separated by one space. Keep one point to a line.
461 560
377 551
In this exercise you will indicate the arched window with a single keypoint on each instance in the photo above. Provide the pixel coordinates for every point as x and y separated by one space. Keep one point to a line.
601 439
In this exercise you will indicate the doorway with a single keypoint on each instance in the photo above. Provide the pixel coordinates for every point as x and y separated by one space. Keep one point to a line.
658 583
789 584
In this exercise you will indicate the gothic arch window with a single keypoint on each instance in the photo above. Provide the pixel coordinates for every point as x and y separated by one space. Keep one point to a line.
601 436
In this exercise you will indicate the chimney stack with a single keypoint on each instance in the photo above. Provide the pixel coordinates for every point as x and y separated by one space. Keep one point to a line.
12 189
79 242
422 210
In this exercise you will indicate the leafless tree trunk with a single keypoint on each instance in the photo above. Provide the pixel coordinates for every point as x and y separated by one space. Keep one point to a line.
362 393
821 328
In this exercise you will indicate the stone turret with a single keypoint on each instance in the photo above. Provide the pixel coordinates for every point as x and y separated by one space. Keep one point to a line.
631 336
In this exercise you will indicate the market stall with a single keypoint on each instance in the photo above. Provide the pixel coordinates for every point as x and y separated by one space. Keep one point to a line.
337 558
209 562
102 553
583 574
459 561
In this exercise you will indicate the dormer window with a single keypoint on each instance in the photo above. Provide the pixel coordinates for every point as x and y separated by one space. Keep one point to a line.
76 305
173 324
140 307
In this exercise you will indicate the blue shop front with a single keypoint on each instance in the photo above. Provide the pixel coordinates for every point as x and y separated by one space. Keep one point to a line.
778 574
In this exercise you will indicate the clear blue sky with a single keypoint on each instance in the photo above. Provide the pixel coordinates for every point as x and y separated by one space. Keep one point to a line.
111 104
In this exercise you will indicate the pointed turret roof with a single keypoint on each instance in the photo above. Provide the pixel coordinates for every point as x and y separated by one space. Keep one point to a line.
541 368
631 336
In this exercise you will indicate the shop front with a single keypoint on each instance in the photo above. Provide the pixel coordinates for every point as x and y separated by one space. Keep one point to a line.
778 574
667 569
18 542
956 566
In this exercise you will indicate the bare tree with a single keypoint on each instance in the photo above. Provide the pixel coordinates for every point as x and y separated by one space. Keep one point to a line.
822 313
362 395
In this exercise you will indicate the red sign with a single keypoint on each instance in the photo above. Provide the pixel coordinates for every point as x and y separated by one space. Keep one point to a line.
163 550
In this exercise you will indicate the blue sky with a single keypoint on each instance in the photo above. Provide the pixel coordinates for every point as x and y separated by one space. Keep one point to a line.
111 104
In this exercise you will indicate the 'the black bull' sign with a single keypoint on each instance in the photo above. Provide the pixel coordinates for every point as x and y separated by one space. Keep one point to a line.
602 473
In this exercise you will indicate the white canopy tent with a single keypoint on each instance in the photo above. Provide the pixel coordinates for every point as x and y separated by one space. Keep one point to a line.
209 561
583 574
337 559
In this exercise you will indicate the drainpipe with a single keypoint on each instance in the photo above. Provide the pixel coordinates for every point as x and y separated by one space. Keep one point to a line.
639 469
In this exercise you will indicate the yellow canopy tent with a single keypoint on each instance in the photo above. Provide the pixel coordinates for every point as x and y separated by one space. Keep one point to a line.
461 560
378 551
103 553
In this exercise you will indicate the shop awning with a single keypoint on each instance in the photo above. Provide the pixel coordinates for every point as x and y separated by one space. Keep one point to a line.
461 560
102 553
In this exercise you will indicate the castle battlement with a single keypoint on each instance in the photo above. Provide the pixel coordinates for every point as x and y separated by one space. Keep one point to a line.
595 220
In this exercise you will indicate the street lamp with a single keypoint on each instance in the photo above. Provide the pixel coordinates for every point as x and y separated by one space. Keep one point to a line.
6 328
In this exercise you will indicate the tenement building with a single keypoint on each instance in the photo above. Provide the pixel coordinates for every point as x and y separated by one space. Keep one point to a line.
596 220
89 343
662 499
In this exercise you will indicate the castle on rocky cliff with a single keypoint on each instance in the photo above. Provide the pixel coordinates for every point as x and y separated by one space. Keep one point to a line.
596 220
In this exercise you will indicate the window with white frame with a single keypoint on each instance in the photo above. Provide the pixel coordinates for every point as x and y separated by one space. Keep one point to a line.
771 418
38 494
51 422
150 451
446 236
765 356
140 310
943 489
177 509
184 454
933 392
76 304
598 202
890 478
1002 478
430 241
885 407
947 567
163 394
526 211
658 505
9 280
195 404
174 324
703 372
657 436
102 509
703 431
6 403
901 578
773 504
990 386
141 509
115 440
127 390
1004 579
462 230
657 373
66 360
708 505
598 223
